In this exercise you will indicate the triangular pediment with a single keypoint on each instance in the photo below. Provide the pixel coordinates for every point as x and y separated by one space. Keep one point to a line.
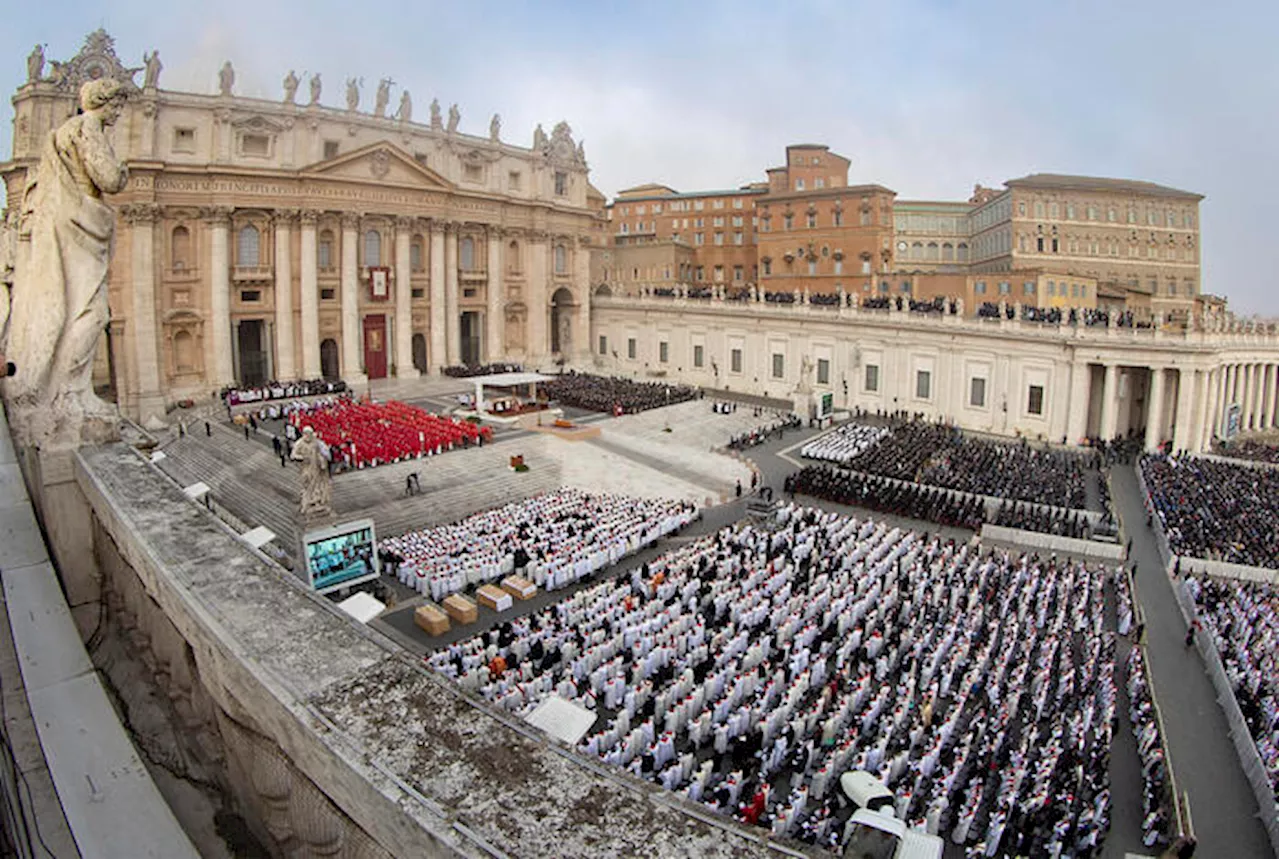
380 162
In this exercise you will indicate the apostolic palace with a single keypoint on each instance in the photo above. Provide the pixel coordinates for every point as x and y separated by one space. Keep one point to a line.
294 239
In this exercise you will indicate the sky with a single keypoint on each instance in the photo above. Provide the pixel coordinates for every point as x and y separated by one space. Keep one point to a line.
927 97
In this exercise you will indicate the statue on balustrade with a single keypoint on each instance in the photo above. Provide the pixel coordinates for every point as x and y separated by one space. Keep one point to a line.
436 122
59 307
226 78
317 491
383 97
405 113
35 64
315 88
153 66
353 93
290 87
454 117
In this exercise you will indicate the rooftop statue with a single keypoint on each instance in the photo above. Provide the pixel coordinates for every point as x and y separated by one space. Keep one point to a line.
226 78
290 87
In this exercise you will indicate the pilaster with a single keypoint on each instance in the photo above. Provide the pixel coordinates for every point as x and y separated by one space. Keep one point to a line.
403 291
493 345
309 296
436 359
351 363
282 221
219 220
147 400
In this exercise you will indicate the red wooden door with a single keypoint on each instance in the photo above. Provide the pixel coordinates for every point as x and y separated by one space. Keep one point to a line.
375 346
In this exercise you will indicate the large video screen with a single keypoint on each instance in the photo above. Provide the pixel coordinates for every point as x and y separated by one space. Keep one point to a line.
341 556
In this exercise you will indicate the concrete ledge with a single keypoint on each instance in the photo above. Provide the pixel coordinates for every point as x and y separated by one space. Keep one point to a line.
1053 542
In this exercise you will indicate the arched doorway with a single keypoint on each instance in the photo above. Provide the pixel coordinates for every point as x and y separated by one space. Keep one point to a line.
562 308
604 291
420 352
329 358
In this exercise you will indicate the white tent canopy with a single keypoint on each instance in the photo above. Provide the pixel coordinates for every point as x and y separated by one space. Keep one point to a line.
362 606
562 719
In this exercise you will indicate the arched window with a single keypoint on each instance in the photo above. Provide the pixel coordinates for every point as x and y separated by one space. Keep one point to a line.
180 249
962 252
917 250
562 260
183 351
467 254
247 246
324 250
372 248
513 257
948 252
415 254
933 252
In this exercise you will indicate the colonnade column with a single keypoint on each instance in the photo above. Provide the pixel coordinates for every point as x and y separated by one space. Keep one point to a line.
1246 397
1107 423
1270 410
219 218
1259 396
351 370
309 297
1078 404
1182 417
284 366
1155 409
404 309
436 360
451 332
539 277
493 346
142 225
1195 429
1214 382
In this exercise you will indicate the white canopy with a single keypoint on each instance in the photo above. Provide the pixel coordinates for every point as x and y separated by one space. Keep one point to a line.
362 606
509 380
562 719
258 537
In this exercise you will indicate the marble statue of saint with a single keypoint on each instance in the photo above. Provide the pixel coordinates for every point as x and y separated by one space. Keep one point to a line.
317 492
153 66
35 64
315 88
59 299
226 78
495 127
405 113
290 87
539 138
435 114
383 97
454 116
353 93
806 369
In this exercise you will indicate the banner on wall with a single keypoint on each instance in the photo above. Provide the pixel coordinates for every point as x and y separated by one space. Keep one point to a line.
379 283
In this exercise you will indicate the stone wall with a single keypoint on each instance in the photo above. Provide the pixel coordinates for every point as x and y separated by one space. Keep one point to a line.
326 737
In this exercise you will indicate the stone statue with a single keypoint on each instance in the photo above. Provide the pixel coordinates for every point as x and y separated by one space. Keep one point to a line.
353 93
436 122
226 78
539 138
806 370
582 153
153 66
35 64
454 116
290 87
315 89
383 97
317 492
495 127
59 307
405 113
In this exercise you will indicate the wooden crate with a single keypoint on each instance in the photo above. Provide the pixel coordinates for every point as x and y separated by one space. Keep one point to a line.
431 619
492 597
460 609
520 588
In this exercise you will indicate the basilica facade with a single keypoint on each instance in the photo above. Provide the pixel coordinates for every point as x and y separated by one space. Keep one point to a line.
288 239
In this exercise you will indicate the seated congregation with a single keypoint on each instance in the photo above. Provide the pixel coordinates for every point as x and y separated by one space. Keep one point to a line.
1215 510
555 539
281 391
362 434
749 669
613 395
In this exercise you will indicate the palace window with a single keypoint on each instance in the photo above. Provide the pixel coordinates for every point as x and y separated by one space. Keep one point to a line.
737 238
768 267
837 217
324 251
977 392
735 360
779 365
813 267
664 351
561 183
719 273
247 246
1035 400
697 355
811 220
1029 287
799 184
184 140
604 345
372 248
871 379
737 273
467 254
631 348
330 149
719 238
562 260
923 381
786 221
839 266
415 255
180 249
824 371
513 180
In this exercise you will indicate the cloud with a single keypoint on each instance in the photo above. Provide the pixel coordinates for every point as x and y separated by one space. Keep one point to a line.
926 97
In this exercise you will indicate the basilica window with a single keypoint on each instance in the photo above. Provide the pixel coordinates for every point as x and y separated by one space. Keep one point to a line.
180 249
786 221
811 220
1035 400
467 254
562 260
248 242
372 248
871 381
324 251
561 183
415 254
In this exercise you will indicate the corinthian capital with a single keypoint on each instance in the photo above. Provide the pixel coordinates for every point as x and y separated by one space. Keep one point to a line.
404 224
284 217
310 217
216 214
350 220
140 213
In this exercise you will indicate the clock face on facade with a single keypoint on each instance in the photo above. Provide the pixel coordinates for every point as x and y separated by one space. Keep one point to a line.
902 246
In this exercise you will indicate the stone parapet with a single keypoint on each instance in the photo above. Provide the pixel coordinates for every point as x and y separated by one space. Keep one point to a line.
330 739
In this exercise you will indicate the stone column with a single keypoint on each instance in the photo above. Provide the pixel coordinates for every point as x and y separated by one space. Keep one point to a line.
1195 429
538 283
220 296
1213 382
1182 418
404 293
1259 394
350 301
1107 422
493 346
1078 405
436 359
451 332
1246 395
1155 408
148 398
284 366
582 286
1270 411
310 297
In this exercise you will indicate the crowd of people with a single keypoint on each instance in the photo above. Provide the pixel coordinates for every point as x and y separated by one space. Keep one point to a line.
749 669
844 444
232 396
274 410
554 540
1156 822
466 371
774 427
360 434
1045 520
613 395
1215 510
901 498
1241 619
1016 471
1250 449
